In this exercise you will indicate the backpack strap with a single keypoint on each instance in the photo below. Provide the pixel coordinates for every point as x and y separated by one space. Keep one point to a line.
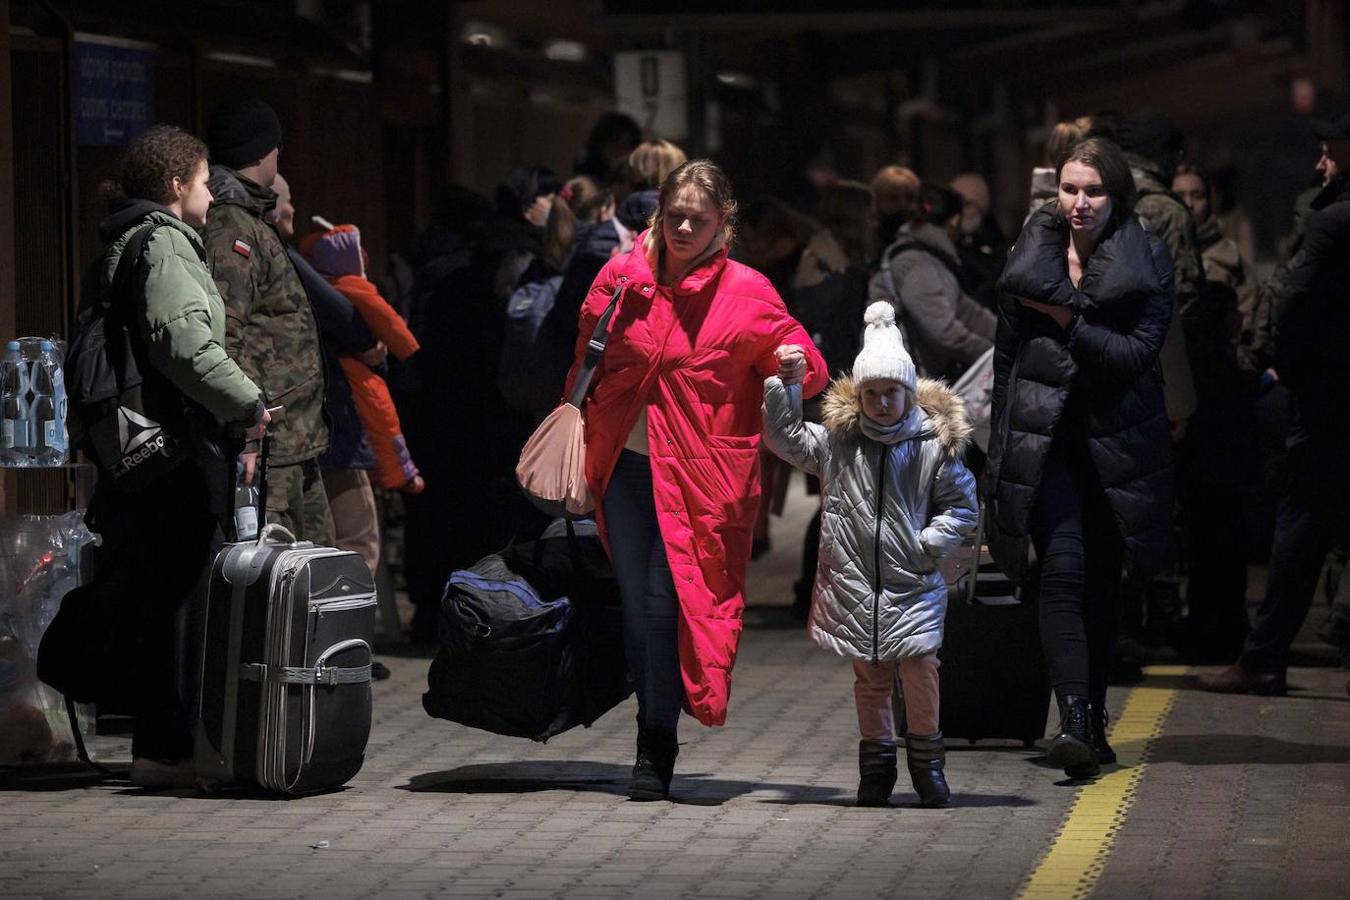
127 275
80 748
908 242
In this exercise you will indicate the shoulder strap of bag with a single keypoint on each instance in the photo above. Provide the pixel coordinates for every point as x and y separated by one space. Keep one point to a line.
125 276
80 749
909 242
595 349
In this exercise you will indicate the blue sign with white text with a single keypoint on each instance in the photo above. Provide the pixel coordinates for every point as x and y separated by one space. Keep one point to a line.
114 93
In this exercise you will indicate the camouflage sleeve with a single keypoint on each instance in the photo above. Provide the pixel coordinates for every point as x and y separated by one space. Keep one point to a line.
1201 324
1169 220
1256 351
230 250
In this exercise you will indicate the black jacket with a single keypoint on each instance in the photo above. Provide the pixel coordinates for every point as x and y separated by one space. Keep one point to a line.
1108 358
1312 321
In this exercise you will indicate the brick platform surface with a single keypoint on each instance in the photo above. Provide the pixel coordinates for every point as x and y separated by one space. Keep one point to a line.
1244 796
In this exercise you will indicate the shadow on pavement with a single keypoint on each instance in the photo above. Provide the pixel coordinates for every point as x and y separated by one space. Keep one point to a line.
524 778
903 799
1242 749
60 777
690 789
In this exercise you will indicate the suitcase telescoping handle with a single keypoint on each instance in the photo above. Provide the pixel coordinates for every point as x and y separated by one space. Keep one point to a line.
264 451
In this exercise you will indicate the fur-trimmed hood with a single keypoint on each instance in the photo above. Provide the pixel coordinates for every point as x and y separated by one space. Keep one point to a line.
943 410
892 510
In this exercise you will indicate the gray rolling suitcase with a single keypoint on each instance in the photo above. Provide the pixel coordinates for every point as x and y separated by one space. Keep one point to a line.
284 701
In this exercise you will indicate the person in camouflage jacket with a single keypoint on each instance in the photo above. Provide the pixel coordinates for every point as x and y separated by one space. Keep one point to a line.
270 326
1152 146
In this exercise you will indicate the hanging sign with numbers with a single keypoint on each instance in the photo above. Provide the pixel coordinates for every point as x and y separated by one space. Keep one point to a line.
649 86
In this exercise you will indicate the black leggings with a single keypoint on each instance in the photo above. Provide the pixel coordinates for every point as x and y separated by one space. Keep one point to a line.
1079 547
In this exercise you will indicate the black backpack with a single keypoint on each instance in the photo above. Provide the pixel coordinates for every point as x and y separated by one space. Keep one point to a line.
831 311
128 417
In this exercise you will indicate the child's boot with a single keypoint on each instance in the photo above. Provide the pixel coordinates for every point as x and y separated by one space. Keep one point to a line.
927 756
876 772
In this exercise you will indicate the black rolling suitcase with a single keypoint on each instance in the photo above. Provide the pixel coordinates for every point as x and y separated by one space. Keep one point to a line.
993 676
284 699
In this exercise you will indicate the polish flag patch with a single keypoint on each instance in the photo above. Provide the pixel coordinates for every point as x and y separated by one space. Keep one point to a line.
243 249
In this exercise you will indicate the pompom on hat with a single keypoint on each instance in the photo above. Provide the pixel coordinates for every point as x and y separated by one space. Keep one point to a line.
883 352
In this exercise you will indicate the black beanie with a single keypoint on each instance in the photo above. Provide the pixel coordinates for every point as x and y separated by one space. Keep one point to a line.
242 132
1152 135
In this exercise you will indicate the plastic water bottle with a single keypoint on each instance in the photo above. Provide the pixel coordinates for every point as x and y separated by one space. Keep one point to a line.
245 506
59 393
53 437
16 439
48 413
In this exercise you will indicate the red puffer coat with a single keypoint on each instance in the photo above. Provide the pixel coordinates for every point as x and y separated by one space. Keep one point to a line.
697 354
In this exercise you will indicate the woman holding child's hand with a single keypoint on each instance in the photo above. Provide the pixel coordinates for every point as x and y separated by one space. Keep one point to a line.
672 450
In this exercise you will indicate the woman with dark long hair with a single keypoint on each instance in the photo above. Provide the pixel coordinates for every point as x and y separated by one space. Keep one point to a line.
672 447
1080 462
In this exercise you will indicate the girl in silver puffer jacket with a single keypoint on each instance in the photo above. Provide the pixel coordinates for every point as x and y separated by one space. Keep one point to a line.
897 498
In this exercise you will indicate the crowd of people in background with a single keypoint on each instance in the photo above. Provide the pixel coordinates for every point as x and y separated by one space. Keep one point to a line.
1159 404
935 251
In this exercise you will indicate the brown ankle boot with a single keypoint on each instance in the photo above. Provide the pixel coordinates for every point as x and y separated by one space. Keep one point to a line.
1237 680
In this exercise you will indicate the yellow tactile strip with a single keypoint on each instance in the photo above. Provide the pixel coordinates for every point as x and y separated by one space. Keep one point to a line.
1074 862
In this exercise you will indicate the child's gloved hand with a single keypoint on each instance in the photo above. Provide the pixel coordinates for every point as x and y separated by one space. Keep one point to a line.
791 364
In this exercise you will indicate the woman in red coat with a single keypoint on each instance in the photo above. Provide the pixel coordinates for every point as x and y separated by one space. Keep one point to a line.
672 438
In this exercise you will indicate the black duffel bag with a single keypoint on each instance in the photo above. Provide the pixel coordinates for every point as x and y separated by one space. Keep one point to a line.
531 640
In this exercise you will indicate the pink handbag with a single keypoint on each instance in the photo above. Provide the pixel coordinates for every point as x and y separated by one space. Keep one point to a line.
552 466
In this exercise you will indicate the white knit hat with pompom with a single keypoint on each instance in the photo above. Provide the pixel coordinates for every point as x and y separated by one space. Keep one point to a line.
883 352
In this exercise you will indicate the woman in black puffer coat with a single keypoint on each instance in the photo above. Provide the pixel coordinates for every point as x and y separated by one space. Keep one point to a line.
1080 460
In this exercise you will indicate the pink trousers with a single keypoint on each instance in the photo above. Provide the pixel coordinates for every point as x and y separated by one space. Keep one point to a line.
872 687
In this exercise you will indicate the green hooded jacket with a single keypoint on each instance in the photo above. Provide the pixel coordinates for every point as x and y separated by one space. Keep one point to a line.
182 317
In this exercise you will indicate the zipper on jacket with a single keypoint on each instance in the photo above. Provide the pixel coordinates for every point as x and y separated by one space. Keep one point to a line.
876 554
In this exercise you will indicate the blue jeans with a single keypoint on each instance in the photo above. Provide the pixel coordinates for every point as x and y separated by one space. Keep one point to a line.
1312 515
651 608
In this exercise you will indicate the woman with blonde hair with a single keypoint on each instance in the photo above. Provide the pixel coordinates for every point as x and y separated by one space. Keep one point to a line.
673 428
1044 178
648 167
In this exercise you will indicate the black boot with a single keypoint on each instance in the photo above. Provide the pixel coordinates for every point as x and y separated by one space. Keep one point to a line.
1105 755
655 766
926 757
876 772
1071 749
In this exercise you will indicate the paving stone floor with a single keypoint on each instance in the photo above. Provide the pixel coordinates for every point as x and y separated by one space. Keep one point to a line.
1244 796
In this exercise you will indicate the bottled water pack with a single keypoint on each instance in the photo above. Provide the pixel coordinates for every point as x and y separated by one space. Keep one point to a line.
33 388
